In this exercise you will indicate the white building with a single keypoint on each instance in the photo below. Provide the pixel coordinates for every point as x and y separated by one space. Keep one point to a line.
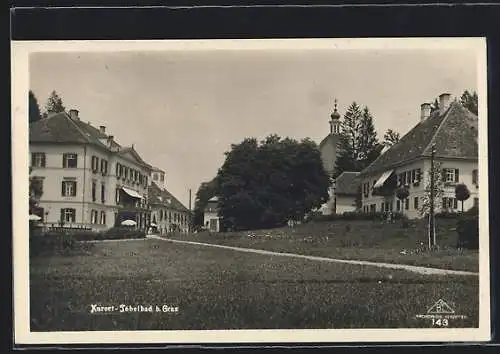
88 179
453 132
210 216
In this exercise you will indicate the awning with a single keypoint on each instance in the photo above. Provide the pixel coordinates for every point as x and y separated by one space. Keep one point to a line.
380 182
132 193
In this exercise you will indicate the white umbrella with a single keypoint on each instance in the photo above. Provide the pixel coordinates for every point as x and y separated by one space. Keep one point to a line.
153 224
34 217
128 223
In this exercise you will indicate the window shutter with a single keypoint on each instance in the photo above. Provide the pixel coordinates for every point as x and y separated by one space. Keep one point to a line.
64 160
43 160
456 174
32 159
74 189
443 174
62 214
73 215
63 190
455 204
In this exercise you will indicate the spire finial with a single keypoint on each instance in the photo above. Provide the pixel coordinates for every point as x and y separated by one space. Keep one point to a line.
335 114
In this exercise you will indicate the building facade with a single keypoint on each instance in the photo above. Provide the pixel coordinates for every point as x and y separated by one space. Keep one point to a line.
346 190
451 132
168 214
88 179
210 216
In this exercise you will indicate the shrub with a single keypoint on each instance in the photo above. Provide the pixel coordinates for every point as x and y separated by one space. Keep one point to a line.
356 215
51 242
468 232
447 215
117 233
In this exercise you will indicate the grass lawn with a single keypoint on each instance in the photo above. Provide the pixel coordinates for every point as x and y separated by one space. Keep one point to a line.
223 289
357 240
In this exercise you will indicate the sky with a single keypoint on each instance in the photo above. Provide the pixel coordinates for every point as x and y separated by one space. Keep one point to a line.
183 109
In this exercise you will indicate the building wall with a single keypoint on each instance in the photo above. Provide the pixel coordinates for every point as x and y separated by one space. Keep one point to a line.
328 156
211 215
417 191
345 204
53 174
171 217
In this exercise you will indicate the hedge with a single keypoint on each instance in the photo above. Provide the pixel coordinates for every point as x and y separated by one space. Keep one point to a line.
468 231
355 215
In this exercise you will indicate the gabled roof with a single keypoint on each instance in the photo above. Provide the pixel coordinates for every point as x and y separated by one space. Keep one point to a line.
347 183
162 197
61 128
333 139
454 134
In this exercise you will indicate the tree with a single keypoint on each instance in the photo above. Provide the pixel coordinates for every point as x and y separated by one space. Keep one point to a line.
54 103
263 185
402 193
438 189
33 108
470 101
35 192
462 193
347 159
367 142
391 137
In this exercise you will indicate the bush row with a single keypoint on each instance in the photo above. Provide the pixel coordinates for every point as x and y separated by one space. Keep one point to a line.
356 215
468 231
67 241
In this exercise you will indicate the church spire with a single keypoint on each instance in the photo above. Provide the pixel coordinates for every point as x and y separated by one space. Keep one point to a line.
335 120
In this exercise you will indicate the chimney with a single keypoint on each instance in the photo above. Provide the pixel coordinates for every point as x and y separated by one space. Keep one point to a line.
444 101
425 111
102 129
73 113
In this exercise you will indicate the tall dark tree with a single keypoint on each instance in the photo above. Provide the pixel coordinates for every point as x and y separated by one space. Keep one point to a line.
263 185
347 159
367 143
391 137
54 103
470 101
33 108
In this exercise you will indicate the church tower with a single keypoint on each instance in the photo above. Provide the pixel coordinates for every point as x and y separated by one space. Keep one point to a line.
335 121
329 146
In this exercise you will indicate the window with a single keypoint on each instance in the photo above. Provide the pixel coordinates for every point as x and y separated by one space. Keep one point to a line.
413 174
103 218
475 177
398 205
68 215
94 187
95 164
418 176
70 160
449 203
93 216
162 177
117 195
450 174
415 203
382 206
118 170
407 203
103 193
126 173
155 177
104 167
68 189
38 159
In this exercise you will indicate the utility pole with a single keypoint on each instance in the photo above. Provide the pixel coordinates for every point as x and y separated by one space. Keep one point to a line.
432 230
190 213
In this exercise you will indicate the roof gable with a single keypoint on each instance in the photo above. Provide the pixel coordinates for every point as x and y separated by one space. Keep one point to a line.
59 128
347 183
454 133
158 196
132 155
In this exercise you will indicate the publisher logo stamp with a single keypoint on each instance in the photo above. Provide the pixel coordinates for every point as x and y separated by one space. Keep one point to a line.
441 313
